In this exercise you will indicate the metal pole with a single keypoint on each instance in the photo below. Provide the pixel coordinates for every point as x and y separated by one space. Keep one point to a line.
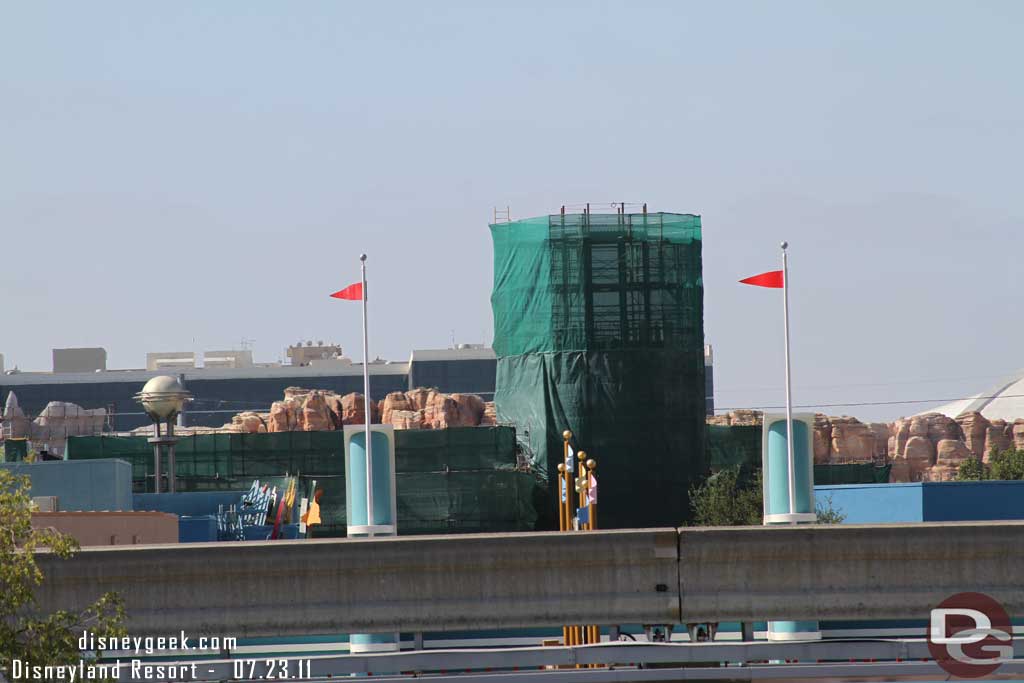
181 413
581 496
561 487
171 465
366 406
156 457
592 513
791 464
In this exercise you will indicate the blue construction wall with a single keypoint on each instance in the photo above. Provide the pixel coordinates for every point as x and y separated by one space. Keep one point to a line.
973 500
874 503
80 485
199 529
187 504
196 510
946 501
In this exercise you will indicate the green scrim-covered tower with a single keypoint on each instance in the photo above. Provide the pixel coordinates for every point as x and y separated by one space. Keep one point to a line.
599 328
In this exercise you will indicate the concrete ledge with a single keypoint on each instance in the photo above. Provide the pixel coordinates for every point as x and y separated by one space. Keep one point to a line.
494 581
424 583
885 571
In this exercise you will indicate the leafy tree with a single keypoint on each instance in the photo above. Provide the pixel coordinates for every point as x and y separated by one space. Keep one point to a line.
971 469
734 497
1007 465
43 639
729 497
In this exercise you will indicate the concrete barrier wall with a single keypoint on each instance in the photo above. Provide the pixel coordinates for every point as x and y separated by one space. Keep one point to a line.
445 583
847 571
425 583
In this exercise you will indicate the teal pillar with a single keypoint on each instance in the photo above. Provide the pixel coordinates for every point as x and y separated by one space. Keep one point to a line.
383 521
782 508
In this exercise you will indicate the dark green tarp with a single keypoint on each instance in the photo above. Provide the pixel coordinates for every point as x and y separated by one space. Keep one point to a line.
449 480
599 330
15 450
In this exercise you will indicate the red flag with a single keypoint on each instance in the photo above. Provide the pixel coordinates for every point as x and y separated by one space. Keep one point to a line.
773 278
352 292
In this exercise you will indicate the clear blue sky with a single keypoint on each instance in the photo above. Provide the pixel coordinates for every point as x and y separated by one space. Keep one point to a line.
221 165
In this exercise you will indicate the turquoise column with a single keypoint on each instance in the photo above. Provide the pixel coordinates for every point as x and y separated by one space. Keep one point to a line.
384 520
775 455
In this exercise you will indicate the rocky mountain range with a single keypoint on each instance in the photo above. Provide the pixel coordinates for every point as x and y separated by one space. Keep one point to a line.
927 447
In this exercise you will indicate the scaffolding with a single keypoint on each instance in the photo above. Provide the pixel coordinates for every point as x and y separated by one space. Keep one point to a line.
599 330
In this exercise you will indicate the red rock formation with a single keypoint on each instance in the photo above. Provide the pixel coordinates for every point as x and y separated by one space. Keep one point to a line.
282 417
353 410
294 392
396 400
951 452
919 456
470 410
882 432
248 423
406 419
1018 433
440 412
490 416
336 406
822 439
737 418
419 397
999 436
316 416
900 432
852 440
975 429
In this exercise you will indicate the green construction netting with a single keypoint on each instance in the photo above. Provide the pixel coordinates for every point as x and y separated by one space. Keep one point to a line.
852 473
458 479
734 445
15 450
599 330
578 282
741 445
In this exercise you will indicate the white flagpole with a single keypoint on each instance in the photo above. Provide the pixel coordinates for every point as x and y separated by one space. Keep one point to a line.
366 406
791 465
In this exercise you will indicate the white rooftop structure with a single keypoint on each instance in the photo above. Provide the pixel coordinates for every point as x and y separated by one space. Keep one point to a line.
460 352
1005 401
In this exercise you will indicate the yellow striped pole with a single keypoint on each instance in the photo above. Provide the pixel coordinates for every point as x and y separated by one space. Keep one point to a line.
592 507
580 495
568 474
561 505
564 522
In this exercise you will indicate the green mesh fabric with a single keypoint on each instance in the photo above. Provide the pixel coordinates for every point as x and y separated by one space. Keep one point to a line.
580 282
852 473
449 480
599 330
734 445
15 450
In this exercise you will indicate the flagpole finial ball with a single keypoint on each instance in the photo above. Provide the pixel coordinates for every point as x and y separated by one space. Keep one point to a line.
583 456
566 435
784 245
362 257
561 467
591 464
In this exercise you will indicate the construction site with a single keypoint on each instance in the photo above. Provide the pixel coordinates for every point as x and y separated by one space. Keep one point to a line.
593 312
